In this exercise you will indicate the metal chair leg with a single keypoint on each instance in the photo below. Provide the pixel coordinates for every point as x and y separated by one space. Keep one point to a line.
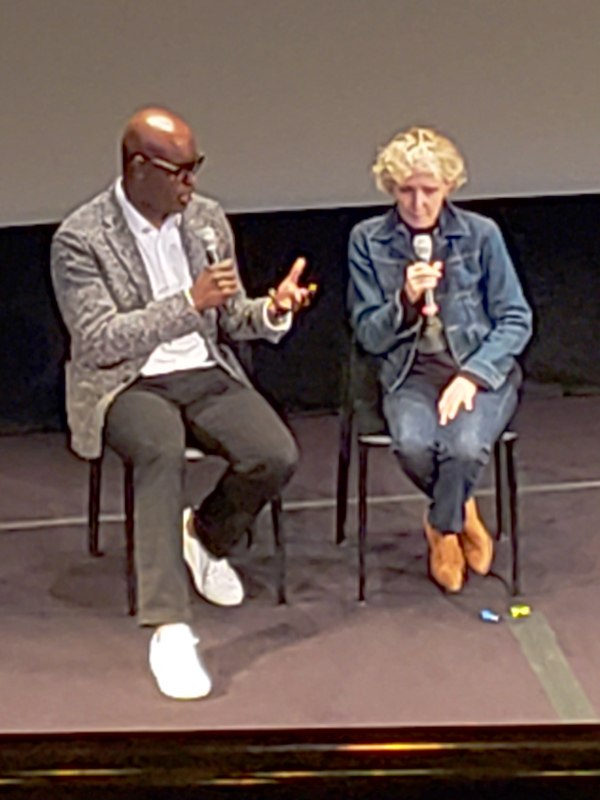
344 453
513 515
506 501
129 540
250 537
363 455
94 506
500 493
278 535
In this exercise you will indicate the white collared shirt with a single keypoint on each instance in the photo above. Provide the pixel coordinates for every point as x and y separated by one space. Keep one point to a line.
168 271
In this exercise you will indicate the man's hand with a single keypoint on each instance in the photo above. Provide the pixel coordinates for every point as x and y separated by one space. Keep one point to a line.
421 276
289 295
460 393
214 285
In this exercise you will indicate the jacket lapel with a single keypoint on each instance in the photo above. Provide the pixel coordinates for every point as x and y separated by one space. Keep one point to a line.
119 238
393 235
194 249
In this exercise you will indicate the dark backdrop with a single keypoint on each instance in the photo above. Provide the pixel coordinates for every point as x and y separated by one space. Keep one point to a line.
553 241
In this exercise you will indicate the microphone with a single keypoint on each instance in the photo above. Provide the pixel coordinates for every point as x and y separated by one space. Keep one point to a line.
209 241
423 249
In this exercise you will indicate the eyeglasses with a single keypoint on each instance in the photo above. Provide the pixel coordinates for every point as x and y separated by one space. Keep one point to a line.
175 170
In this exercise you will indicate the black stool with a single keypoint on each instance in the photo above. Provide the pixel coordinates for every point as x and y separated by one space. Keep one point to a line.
361 410
505 496
191 455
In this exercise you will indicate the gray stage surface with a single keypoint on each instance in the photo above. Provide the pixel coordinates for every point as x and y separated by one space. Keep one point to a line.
73 661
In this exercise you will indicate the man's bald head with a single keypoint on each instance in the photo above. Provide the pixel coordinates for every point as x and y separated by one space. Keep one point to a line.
160 159
155 131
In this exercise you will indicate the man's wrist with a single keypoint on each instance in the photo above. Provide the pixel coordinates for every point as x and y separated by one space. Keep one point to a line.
276 309
190 298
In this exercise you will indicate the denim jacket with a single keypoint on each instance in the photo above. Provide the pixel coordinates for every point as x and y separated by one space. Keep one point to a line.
487 320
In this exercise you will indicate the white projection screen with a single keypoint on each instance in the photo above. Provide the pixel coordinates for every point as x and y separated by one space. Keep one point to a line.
291 98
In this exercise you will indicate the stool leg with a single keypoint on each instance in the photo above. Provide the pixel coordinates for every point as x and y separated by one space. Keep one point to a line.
94 506
501 487
278 535
506 502
129 540
344 452
513 515
363 454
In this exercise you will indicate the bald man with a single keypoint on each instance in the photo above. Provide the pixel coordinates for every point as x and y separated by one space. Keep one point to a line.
145 306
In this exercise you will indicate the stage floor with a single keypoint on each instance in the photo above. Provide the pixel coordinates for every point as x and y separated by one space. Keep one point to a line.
72 660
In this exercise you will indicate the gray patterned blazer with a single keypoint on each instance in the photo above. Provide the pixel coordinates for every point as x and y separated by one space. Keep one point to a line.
105 298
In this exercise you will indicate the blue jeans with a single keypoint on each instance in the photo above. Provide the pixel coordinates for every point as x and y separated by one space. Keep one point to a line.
445 462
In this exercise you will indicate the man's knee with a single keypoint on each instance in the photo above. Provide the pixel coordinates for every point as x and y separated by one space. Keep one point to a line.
276 462
283 461
144 428
165 449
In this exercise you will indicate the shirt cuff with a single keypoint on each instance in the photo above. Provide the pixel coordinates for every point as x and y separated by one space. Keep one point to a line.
477 379
407 315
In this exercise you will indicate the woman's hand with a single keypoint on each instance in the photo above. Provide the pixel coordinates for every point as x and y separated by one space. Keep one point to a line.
421 276
460 393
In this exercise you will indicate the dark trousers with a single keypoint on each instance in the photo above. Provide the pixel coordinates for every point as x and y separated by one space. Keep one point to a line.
149 424
445 462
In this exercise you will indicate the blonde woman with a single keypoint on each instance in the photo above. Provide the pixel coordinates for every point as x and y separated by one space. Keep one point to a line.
434 296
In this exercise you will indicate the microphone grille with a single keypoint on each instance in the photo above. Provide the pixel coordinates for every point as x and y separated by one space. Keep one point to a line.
208 237
423 246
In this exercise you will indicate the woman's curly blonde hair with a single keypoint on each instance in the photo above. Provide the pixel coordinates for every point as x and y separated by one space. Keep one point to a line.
419 150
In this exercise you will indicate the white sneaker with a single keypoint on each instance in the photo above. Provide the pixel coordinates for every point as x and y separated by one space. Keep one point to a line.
175 663
214 578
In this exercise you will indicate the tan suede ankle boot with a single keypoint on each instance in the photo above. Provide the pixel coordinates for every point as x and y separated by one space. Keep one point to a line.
446 559
476 541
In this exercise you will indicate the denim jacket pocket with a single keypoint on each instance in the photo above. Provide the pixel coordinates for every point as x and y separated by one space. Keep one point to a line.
464 273
390 275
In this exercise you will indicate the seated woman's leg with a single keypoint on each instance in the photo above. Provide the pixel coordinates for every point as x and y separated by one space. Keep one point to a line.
446 462
412 422
465 445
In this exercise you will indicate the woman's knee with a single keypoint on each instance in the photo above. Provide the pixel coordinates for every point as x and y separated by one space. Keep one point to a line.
469 447
411 446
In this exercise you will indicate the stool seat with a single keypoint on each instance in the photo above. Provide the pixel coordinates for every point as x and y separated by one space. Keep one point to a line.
193 454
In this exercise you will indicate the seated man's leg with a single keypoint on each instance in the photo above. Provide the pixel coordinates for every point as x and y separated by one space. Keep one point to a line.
148 431
235 422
